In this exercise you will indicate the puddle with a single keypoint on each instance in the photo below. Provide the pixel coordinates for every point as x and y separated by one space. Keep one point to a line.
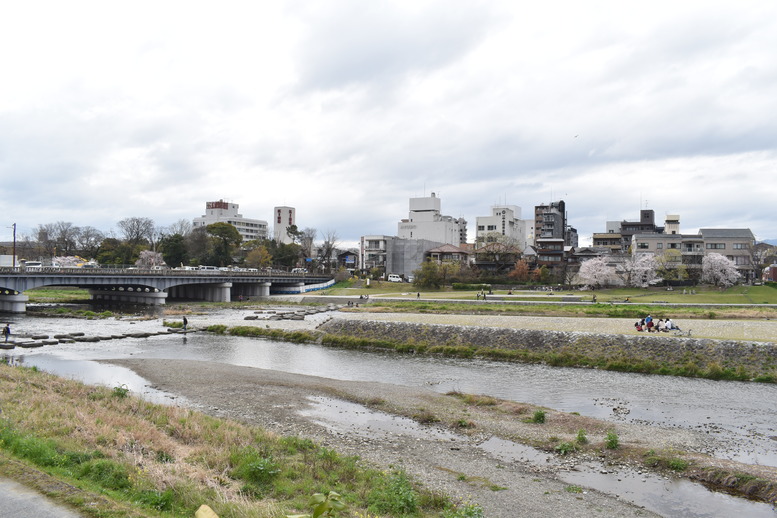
662 495
352 418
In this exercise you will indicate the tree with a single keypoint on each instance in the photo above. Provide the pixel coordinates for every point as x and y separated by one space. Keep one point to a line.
174 250
136 230
639 270
521 271
88 241
669 266
596 272
259 257
428 276
148 258
226 240
284 255
182 227
718 270
113 251
326 250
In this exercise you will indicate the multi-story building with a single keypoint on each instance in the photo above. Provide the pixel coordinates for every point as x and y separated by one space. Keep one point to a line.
503 225
283 218
689 249
391 254
225 212
425 221
625 230
550 222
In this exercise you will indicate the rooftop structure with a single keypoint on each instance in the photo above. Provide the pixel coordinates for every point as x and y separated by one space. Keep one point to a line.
225 212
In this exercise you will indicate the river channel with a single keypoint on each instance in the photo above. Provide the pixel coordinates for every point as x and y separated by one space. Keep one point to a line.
739 418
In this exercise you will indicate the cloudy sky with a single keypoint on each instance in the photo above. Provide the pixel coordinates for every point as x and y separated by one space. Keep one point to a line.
346 109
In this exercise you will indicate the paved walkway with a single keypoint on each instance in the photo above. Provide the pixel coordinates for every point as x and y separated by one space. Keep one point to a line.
19 501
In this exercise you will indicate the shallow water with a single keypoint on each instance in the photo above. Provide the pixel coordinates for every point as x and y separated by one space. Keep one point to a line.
739 418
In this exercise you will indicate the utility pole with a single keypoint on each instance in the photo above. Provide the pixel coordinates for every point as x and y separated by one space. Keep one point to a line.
14 245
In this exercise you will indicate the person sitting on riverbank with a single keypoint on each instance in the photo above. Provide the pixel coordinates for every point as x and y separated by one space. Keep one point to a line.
661 326
638 325
671 326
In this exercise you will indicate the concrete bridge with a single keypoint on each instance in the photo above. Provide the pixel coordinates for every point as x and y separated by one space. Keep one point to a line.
147 286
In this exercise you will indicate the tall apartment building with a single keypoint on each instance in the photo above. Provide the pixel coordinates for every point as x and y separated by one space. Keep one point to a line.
550 222
225 212
504 224
283 218
425 221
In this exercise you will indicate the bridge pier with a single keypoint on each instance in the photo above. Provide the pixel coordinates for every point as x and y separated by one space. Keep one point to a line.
153 298
254 290
13 302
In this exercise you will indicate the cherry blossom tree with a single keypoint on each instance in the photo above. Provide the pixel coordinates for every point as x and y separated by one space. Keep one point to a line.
596 272
639 271
718 270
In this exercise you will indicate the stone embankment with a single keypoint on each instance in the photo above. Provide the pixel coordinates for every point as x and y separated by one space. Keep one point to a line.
757 358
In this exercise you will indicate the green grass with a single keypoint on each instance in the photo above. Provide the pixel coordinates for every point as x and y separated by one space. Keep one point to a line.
139 458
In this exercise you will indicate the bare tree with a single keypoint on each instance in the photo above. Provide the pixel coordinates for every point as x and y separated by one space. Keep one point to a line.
88 241
182 227
136 230
306 239
327 249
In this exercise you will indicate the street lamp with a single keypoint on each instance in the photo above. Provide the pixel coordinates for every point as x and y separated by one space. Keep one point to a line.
14 244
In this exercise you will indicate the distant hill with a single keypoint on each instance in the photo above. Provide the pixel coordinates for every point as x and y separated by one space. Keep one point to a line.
772 242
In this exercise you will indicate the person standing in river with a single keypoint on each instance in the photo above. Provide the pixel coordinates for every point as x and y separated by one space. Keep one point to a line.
7 331
185 323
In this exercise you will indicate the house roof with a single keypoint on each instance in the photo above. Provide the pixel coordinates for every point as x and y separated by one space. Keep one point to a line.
743 233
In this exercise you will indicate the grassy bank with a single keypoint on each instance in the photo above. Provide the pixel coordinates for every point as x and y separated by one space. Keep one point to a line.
108 454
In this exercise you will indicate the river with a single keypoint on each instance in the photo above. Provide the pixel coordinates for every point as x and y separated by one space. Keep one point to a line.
738 417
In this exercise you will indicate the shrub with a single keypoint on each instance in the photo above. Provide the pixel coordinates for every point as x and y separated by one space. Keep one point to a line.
582 438
611 441
538 417
395 496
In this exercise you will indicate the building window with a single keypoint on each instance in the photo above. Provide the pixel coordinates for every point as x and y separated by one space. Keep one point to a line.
659 245
716 246
643 246
674 246
492 227
481 227
740 246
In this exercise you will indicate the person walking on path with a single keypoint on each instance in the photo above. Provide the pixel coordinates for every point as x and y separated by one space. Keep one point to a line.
7 331
185 323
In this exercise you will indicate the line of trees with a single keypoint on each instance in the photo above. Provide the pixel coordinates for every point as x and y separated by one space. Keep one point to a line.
139 241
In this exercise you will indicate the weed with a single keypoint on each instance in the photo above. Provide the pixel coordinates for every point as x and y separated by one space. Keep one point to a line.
611 441
121 391
426 417
323 505
573 489
565 448
465 423
395 496
466 510
582 438
677 464
538 417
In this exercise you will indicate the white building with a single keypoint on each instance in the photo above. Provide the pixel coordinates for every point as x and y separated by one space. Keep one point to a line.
503 225
425 221
283 218
225 212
